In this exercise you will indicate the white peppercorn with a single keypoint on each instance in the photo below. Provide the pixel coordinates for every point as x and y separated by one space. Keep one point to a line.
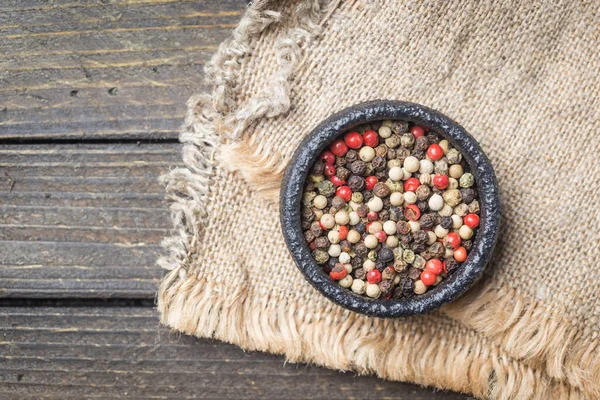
396 173
431 237
425 166
389 227
333 236
366 153
320 202
456 221
344 257
375 204
446 211
410 197
371 241
369 265
385 131
465 232
334 250
327 221
394 163
415 226
455 171
448 253
440 232
346 281
452 183
445 145
373 290
436 202
461 210
375 227
419 287
358 286
354 218
396 198
342 218
411 164
391 242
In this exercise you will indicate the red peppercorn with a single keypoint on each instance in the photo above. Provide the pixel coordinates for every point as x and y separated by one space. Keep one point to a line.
460 254
338 147
441 181
338 272
371 138
327 157
417 131
353 140
412 212
453 239
344 192
471 220
337 181
370 182
312 245
372 216
343 231
435 152
381 236
374 276
435 266
428 278
329 170
411 185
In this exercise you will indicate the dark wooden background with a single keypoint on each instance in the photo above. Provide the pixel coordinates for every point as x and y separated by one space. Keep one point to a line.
91 96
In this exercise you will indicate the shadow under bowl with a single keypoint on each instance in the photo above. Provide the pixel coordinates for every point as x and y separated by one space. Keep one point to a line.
320 138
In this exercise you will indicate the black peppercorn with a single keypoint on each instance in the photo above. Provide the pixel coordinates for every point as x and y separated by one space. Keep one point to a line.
381 190
427 221
422 206
322 242
423 192
356 183
421 143
318 168
316 229
381 175
403 228
385 287
451 265
360 273
414 273
437 249
342 173
360 249
360 228
384 215
308 213
338 202
346 246
378 163
396 213
397 293
385 255
405 239
362 210
406 285
309 236
305 224
401 154
340 162
391 154
367 195
418 247
351 156
420 236
432 139
331 263
380 266
467 244
358 167
468 195
446 222
418 154
356 262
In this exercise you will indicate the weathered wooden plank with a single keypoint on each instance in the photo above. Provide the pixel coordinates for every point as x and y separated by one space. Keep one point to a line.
82 220
109 70
122 352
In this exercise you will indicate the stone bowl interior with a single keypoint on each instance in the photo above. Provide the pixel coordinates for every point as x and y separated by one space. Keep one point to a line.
320 138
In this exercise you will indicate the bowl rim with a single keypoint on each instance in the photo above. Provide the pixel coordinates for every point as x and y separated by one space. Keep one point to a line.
318 140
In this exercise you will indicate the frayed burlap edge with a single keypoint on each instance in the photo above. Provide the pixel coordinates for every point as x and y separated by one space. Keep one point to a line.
523 328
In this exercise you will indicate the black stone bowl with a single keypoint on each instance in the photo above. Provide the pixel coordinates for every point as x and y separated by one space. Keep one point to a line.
320 138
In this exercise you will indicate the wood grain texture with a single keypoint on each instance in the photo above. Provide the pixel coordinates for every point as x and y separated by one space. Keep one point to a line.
82 220
105 70
107 353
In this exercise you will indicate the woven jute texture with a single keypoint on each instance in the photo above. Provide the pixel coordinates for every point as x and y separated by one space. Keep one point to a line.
521 76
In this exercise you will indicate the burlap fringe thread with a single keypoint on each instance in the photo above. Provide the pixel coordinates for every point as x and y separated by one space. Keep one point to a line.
522 328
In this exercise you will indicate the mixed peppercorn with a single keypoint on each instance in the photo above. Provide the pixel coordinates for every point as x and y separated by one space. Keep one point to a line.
390 210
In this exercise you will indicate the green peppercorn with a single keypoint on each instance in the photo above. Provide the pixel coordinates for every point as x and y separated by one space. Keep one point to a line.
381 151
393 141
320 256
357 197
408 256
407 140
316 178
452 197
453 156
466 180
399 127
400 265
423 192
326 188
474 207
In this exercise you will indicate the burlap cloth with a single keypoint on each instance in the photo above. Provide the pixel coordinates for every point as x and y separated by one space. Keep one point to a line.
521 76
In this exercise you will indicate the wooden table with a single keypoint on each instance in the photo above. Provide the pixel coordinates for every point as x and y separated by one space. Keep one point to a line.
91 96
